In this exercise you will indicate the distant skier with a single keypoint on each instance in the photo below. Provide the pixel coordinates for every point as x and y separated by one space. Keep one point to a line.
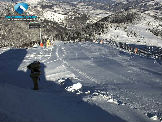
35 73
48 44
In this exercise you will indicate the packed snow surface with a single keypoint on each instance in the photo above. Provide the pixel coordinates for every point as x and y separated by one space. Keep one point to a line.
80 82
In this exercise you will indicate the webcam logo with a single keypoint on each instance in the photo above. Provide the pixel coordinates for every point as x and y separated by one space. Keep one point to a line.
20 8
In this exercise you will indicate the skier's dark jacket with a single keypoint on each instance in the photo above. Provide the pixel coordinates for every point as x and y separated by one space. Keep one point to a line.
35 69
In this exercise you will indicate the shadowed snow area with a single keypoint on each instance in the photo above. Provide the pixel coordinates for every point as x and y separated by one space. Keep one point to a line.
83 82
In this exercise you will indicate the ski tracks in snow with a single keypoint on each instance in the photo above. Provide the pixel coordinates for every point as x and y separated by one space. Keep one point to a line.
99 94
65 72
91 95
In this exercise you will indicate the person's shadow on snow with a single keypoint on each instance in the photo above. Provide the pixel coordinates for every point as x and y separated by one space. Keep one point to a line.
52 102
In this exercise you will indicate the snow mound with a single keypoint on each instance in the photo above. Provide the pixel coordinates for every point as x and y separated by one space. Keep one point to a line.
74 87
108 98
36 45
154 118
70 86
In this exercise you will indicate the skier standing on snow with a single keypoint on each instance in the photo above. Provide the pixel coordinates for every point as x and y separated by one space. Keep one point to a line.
35 73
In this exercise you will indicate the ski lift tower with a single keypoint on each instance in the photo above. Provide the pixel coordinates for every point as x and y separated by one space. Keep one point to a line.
36 25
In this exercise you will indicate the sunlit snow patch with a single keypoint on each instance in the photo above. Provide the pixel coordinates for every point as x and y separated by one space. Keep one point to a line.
52 16
60 81
100 95
74 87
4 49
33 1
154 118
35 45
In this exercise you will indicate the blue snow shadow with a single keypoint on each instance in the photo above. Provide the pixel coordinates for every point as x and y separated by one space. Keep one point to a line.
79 110
51 103
9 64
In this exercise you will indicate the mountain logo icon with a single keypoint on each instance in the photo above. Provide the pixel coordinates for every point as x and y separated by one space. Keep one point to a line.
20 8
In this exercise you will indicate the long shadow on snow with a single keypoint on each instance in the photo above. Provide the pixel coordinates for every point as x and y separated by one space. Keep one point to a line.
68 107
10 62
79 110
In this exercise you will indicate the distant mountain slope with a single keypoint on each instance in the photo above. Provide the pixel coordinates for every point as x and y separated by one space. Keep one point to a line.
88 20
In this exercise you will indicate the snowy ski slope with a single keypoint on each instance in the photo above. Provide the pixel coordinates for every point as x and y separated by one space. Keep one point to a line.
83 82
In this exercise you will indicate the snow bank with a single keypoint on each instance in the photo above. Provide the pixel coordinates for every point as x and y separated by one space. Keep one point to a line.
74 87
